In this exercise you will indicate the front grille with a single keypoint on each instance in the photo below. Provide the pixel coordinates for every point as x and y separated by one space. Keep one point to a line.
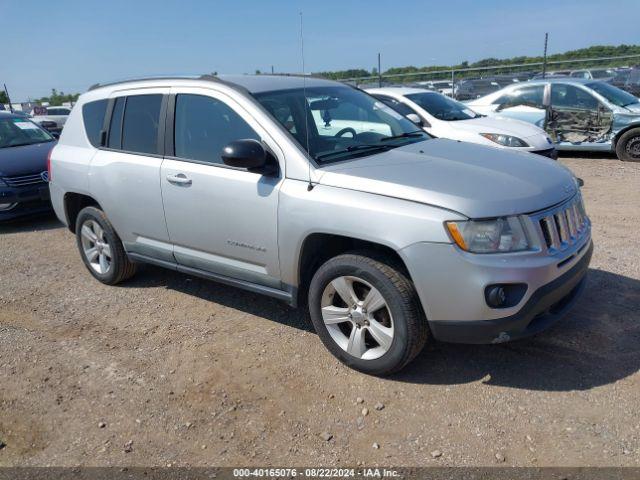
563 226
23 180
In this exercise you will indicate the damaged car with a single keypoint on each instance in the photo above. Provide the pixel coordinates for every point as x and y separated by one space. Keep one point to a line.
577 114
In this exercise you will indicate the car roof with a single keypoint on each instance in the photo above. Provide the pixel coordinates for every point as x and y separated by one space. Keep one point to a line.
541 81
399 91
252 83
6 113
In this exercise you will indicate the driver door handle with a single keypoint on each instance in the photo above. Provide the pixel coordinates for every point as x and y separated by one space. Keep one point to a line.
179 179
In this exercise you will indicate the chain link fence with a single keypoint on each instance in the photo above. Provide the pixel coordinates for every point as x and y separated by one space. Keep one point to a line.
467 83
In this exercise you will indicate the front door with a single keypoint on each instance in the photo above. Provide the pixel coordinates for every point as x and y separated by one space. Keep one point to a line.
575 116
220 219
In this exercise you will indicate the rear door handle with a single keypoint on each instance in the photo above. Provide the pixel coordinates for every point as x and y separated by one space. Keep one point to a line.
179 179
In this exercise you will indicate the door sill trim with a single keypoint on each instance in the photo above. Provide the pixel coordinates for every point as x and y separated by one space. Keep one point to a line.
284 295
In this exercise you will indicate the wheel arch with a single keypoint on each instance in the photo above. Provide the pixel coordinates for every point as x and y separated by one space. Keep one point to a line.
622 131
73 204
318 247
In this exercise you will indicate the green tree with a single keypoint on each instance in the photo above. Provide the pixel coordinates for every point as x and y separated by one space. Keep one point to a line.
3 97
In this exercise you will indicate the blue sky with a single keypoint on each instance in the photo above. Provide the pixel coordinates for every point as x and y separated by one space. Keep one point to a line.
72 44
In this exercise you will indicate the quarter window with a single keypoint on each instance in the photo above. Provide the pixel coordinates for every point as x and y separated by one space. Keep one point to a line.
204 126
93 118
140 123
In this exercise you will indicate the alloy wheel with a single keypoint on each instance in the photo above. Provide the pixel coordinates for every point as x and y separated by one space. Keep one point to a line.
357 317
95 246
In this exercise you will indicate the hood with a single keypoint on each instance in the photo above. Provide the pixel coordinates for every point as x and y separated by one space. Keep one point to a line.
505 126
477 181
24 160
635 108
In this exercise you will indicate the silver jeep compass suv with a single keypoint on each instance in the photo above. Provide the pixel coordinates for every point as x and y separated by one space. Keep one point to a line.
316 193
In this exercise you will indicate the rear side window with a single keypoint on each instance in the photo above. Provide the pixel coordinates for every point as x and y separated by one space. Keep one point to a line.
115 129
204 126
93 117
140 123
527 96
399 107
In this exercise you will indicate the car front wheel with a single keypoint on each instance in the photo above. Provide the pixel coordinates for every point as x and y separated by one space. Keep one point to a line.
628 146
367 313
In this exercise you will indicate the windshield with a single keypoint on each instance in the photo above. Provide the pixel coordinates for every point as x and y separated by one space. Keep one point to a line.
342 122
441 107
601 74
16 132
613 94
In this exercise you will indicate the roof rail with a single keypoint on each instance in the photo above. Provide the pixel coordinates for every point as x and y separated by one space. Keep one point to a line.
207 76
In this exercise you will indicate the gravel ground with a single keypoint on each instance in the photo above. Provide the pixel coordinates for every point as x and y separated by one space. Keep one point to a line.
172 370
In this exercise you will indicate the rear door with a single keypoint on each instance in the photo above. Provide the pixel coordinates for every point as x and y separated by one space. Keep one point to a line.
524 103
221 219
576 116
125 172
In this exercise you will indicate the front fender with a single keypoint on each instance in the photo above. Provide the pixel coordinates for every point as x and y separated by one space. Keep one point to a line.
387 221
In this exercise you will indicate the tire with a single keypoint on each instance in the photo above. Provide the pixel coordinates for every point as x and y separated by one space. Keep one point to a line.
402 314
119 267
628 146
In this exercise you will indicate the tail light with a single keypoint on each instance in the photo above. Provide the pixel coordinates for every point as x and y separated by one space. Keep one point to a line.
49 173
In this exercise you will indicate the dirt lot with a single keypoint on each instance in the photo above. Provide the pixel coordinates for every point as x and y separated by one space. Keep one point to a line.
167 369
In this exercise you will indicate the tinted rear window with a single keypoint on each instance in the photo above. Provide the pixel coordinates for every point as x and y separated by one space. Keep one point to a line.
93 117
115 129
140 126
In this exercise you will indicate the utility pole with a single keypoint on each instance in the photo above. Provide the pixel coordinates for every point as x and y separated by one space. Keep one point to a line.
271 69
8 98
379 72
544 58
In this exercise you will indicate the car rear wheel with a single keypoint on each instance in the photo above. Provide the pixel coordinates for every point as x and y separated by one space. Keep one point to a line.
628 146
367 313
100 247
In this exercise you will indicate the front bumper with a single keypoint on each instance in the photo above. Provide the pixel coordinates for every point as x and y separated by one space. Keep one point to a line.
546 306
28 200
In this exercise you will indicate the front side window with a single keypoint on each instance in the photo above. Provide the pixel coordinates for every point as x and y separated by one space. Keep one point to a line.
205 125
570 96
140 123
526 96
613 94
93 118
16 132
441 107
335 123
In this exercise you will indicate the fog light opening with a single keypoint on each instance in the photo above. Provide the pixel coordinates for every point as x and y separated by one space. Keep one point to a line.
504 295
496 297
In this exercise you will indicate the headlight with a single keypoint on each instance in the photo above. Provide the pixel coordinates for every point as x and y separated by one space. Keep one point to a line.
505 234
505 140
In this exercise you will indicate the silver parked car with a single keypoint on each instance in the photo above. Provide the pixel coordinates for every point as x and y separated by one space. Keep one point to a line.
315 193
577 114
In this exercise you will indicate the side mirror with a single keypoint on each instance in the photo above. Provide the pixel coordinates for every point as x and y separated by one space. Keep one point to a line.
247 153
413 117
56 135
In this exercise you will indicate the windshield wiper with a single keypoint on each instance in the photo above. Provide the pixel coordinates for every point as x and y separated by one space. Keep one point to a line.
415 133
353 148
